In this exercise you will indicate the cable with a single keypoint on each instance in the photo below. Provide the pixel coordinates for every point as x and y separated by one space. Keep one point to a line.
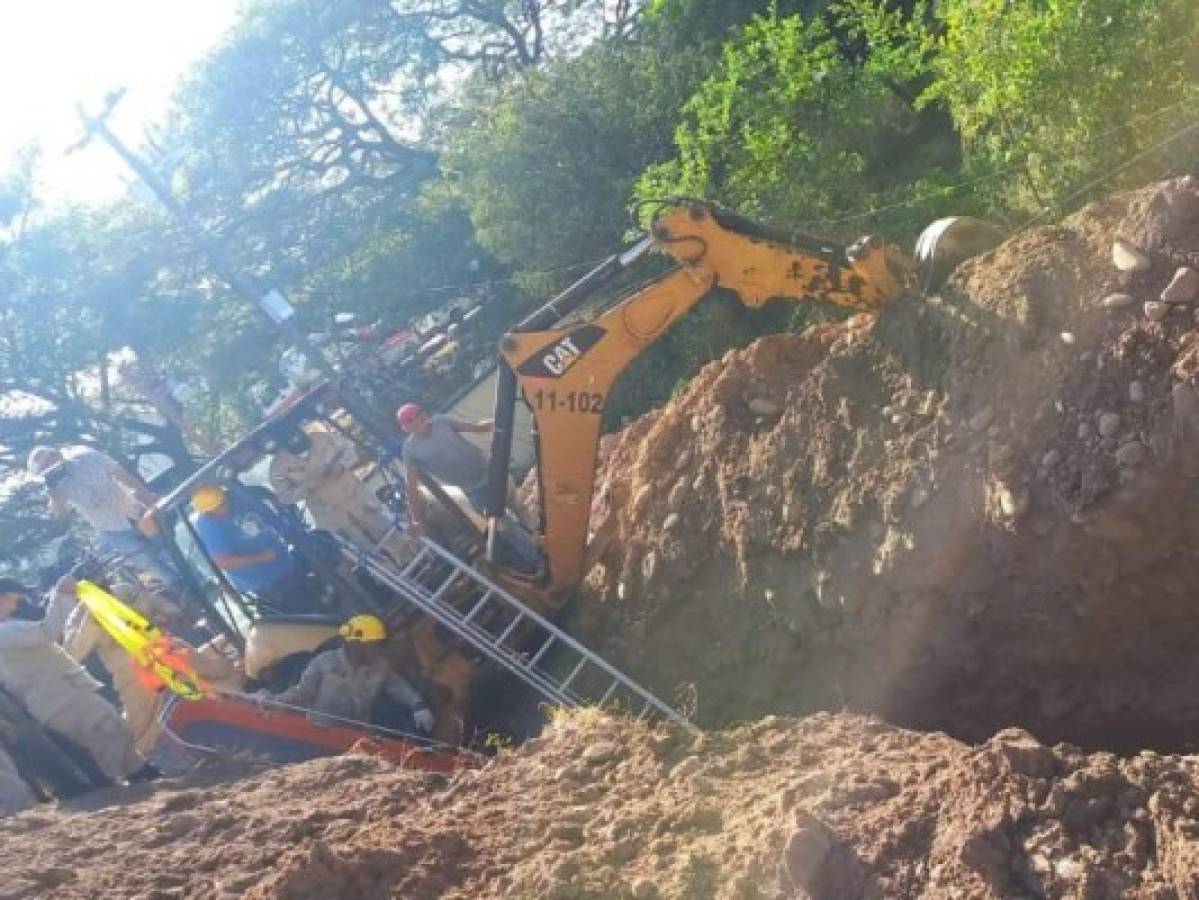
1109 174
492 282
423 740
1006 170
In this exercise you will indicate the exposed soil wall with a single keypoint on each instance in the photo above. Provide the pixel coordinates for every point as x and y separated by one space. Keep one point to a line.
974 512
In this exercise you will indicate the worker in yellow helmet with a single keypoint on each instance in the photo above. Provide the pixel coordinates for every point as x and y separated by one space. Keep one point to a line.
357 681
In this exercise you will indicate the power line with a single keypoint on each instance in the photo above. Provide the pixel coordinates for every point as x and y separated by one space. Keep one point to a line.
990 176
491 282
1111 173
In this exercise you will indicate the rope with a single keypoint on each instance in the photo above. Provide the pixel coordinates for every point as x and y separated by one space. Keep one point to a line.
492 282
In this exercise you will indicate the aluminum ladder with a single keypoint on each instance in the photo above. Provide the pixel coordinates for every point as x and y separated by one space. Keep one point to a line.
493 622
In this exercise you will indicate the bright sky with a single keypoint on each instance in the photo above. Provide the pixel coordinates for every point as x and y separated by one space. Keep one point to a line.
55 53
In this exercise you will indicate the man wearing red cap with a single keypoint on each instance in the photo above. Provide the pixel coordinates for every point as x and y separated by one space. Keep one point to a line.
436 447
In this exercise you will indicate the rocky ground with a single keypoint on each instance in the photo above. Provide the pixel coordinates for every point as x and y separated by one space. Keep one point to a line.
832 806
975 517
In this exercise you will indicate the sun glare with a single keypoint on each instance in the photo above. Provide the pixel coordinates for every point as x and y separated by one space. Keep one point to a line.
56 54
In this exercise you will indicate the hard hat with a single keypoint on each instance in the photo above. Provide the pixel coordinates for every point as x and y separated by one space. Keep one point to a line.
41 459
407 414
208 498
364 629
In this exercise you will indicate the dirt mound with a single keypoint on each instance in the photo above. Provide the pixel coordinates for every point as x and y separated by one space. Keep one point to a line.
973 512
834 806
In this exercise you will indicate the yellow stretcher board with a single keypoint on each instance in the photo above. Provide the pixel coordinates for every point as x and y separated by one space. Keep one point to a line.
160 659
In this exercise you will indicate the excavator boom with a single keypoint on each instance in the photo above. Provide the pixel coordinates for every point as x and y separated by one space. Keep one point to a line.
761 264
564 373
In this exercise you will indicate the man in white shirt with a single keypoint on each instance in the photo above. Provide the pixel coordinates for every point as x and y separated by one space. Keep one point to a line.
109 499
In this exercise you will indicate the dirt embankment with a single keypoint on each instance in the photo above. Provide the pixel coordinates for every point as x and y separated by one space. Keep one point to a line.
832 807
973 514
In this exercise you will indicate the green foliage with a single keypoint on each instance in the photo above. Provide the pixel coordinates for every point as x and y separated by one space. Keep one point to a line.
793 127
1063 90
404 271
545 164
669 25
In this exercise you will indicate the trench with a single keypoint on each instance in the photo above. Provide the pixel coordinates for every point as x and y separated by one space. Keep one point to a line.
1084 633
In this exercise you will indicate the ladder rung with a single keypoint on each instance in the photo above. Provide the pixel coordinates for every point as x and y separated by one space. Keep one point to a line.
541 651
577 670
609 692
449 579
511 627
407 570
478 606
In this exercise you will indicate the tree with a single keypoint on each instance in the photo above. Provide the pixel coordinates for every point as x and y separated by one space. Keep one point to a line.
289 140
545 163
799 125
671 25
1061 91
72 302
80 291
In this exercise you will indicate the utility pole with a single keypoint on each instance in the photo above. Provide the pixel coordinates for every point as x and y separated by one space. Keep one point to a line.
97 126
270 304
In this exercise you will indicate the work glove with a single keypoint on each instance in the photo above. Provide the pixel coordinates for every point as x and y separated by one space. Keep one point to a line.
423 719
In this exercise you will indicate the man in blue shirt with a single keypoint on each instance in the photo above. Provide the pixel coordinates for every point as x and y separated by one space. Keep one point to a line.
249 551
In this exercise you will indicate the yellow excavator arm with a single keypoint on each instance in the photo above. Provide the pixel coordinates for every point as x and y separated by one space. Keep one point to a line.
760 264
565 373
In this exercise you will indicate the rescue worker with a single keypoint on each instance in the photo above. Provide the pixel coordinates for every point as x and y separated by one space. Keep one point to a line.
15 794
110 500
356 681
436 447
141 701
316 466
55 689
250 552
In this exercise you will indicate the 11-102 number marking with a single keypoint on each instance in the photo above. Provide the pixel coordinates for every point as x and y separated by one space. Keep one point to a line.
567 401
